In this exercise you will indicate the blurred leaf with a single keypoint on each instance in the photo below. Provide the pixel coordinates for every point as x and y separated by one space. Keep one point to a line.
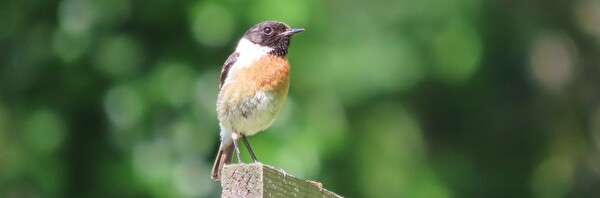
457 50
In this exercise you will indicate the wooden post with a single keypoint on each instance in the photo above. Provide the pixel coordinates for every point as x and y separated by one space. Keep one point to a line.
258 180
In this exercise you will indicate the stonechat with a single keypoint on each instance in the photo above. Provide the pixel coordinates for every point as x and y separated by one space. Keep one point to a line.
254 86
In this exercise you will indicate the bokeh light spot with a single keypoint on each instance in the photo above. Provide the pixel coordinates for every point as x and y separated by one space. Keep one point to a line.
111 12
75 16
371 66
45 130
119 56
588 14
205 28
457 52
152 161
299 158
188 137
124 106
68 46
391 136
326 123
206 90
191 178
292 12
553 177
552 60
175 83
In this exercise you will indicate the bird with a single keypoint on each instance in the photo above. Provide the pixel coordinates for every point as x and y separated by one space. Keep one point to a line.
253 88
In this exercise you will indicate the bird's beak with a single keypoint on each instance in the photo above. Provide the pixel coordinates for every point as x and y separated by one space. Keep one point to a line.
292 32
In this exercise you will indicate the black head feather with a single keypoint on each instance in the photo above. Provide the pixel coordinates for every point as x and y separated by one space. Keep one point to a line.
273 34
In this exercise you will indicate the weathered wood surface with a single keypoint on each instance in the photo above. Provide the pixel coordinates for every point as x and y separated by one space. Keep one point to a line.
259 180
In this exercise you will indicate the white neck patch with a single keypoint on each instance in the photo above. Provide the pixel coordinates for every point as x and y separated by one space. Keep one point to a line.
249 52
247 47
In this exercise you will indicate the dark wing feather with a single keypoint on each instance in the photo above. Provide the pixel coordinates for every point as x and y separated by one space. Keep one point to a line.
228 63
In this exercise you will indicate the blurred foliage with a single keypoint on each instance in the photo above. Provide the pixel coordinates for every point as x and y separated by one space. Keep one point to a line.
431 98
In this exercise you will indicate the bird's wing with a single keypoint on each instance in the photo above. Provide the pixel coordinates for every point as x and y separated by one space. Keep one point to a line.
226 66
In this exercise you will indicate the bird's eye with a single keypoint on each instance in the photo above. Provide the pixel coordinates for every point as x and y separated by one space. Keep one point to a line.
267 30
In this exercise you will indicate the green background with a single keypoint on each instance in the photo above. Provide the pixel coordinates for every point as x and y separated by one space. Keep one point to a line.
406 98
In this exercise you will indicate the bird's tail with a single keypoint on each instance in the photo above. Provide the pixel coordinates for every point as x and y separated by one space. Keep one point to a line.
224 155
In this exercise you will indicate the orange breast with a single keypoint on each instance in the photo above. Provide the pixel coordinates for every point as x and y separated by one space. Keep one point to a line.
253 95
270 73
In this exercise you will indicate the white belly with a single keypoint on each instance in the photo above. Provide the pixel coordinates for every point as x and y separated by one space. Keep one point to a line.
253 114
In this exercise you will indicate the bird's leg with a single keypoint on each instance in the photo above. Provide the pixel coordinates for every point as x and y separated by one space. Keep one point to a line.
249 149
235 138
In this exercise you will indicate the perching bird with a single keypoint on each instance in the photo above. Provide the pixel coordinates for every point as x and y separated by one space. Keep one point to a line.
254 87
